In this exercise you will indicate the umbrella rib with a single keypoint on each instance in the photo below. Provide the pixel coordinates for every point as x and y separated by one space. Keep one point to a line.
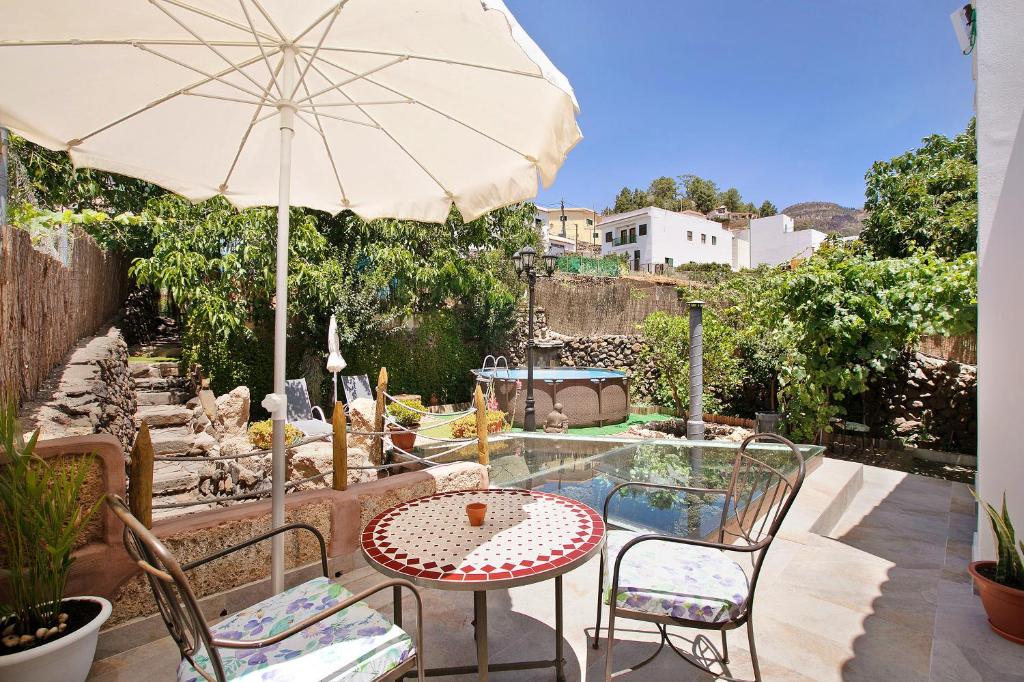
157 102
303 107
252 122
327 147
336 9
120 43
436 111
259 43
179 22
210 77
215 17
270 20
430 58
355 76
327 29
384 130
222 98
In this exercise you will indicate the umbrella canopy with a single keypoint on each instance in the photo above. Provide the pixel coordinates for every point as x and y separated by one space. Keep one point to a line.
401 107
389 108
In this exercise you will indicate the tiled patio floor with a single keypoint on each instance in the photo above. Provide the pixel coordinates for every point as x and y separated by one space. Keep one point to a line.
884 597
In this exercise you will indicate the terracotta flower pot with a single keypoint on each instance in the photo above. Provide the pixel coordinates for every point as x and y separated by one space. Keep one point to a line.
1003 605
476 511
402 438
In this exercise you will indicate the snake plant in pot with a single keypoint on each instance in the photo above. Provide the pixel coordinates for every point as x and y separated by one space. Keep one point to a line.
1000 583
43 635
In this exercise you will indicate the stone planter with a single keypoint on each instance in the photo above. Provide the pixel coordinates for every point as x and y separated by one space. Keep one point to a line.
67 659
1004 605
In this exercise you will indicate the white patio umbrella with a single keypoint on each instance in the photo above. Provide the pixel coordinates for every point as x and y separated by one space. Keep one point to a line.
390 108
335 363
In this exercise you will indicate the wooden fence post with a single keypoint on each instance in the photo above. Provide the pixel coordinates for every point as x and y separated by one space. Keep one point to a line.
377 451
340 447
140 477
481 427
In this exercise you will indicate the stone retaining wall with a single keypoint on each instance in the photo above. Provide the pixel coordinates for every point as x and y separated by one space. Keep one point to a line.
929 402
92 391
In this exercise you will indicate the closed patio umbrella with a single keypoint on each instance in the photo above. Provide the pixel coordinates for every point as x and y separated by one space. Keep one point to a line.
388 108
335 363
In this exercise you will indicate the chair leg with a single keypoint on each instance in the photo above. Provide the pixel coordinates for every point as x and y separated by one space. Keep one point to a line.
608 670
600 601
753 650
725 648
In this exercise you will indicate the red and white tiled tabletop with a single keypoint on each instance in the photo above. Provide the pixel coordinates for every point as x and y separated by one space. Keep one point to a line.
527 537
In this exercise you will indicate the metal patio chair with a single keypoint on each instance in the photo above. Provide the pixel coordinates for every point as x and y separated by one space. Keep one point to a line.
356 386
314 631
671 580
302 414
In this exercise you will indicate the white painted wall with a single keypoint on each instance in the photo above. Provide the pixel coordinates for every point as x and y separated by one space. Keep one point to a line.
773 241
667 237
1000 108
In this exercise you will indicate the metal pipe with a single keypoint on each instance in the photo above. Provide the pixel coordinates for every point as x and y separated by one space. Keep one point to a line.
529 418
286 115
695 418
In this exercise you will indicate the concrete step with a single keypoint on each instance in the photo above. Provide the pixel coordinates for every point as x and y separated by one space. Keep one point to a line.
175 440
159 416
173 397
828 491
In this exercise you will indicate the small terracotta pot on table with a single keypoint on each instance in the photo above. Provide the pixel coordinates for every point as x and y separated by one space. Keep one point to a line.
476 511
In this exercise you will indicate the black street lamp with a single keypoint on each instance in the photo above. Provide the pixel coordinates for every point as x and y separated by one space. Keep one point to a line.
525 261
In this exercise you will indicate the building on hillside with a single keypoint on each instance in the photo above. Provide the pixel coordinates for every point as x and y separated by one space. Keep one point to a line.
562 245
773 241
731 219
580 224
652 238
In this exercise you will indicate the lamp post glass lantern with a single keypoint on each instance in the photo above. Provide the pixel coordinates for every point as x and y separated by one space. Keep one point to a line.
525 262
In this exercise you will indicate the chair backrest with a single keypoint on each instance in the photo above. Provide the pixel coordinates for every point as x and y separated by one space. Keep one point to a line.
762 488
173 594
299 407
356 387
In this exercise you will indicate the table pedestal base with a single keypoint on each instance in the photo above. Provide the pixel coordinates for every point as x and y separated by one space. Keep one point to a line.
484 666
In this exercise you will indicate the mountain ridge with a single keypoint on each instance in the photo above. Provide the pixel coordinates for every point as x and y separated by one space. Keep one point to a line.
827 217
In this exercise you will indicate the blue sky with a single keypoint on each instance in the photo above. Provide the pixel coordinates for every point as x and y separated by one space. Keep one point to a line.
788 100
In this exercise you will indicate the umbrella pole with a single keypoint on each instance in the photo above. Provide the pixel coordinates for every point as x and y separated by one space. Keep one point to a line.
286 116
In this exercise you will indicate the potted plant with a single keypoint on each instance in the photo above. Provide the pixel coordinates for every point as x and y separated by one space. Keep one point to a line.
1000 583
405 419
44 636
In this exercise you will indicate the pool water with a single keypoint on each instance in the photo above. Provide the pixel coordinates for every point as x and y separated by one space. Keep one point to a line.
586 469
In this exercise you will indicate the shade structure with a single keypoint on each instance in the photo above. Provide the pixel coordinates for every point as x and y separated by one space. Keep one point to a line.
388 108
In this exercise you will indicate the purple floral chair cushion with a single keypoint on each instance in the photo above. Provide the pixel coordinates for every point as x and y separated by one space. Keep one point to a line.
672 579
356 644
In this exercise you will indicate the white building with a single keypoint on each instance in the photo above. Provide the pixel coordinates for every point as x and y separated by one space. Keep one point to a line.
651 237
999 102
773 241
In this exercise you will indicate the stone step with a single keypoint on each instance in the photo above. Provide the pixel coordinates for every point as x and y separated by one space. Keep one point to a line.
144 370
175 397
170 478
158 416
159 383
176 440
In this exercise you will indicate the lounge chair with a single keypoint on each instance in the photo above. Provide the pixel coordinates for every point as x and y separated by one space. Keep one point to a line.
671 580
315 631
301 412
357 386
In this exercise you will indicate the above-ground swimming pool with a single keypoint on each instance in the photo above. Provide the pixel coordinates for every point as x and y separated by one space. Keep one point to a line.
586 469
590 396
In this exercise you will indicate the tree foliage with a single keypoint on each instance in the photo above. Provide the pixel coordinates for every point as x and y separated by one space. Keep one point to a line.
767 209
843 317
703 193
731 199
925 198
667 352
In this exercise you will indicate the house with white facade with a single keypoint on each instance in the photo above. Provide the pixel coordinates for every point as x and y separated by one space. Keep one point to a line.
774 241
651 237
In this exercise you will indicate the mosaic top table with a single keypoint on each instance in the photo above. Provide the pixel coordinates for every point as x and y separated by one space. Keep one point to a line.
527 537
